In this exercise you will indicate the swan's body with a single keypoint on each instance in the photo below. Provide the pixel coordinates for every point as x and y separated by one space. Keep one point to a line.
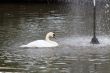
43 43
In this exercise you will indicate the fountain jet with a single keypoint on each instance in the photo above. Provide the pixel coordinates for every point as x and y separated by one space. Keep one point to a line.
94 2
94 39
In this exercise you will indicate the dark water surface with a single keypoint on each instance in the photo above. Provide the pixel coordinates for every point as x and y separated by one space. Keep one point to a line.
23 23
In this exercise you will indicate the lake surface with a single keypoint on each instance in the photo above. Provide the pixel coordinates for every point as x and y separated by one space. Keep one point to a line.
73 25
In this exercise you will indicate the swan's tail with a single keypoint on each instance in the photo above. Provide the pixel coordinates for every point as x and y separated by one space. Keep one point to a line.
23 46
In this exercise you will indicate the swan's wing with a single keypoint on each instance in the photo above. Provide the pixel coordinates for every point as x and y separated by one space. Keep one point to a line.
39 43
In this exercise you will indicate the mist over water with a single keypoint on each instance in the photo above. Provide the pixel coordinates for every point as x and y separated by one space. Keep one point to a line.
73 25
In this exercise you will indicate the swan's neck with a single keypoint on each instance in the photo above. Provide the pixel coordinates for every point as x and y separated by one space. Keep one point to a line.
47 38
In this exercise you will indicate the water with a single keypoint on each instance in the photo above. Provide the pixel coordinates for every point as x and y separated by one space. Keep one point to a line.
23 23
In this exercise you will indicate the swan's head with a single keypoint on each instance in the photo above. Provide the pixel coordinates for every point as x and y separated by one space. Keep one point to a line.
51 34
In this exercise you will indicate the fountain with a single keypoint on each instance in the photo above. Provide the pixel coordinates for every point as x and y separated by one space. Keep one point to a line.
94 39
23 23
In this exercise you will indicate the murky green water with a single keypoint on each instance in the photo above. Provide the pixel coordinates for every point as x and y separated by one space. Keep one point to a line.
23 23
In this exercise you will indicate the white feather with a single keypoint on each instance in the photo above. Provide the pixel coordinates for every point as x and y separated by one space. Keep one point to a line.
42 43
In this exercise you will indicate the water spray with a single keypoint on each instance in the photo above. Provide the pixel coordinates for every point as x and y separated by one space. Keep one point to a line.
94 2
94 39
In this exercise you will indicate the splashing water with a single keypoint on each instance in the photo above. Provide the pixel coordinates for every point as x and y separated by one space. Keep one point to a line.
85 41
94 2
107 5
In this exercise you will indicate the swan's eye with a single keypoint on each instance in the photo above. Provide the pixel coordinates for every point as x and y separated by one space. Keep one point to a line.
53 35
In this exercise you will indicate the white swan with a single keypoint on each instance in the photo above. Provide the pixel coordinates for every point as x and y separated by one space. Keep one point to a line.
43 43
